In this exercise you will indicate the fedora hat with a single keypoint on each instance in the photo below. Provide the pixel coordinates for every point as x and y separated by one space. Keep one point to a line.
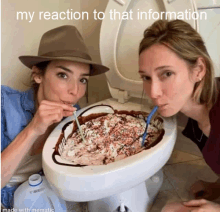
63 43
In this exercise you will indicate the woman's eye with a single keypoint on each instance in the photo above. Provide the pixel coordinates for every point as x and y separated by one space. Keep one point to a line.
84 80
168 74
62 75
145 78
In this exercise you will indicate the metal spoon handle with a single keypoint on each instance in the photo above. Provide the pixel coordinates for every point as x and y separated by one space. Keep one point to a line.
80 130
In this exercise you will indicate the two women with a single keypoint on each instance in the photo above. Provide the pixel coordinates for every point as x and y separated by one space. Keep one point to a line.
60 74
178 76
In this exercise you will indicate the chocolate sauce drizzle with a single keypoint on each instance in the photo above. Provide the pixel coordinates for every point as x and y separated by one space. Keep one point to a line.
82 120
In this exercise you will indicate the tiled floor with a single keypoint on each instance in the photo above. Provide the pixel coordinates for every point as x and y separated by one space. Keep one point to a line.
76 207
185 166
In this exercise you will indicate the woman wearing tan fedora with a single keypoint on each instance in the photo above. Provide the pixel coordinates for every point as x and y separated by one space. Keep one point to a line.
60 74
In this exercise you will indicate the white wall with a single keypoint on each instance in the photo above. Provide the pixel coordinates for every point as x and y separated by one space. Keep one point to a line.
98 89
21 37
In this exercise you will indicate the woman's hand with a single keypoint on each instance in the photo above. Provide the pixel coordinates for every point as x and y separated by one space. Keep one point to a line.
33 136
203 205
205 190
47 114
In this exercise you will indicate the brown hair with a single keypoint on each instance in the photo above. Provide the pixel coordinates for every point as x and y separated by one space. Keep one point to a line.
186 42
42 67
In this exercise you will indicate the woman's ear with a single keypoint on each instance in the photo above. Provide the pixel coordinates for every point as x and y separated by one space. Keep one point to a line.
199 69
36 75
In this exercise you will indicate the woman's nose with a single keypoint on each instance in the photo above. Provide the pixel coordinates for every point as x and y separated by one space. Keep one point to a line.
74 88
155 90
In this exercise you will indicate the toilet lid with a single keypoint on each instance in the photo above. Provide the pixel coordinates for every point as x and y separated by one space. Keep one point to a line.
121 33
210 30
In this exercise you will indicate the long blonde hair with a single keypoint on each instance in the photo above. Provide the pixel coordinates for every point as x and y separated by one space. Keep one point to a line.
186 42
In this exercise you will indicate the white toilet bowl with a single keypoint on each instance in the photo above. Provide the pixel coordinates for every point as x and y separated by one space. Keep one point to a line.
115 180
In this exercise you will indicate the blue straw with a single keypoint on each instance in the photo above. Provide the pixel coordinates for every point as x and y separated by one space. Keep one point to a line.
147 123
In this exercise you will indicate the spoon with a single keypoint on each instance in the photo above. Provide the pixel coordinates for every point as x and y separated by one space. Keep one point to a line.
79 127
147 123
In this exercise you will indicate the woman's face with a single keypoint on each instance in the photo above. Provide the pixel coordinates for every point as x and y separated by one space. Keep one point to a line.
63 81
166 79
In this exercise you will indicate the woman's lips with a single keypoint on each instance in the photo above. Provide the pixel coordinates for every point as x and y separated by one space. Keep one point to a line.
67 103
163 106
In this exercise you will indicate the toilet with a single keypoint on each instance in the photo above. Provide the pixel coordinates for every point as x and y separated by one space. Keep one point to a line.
130 184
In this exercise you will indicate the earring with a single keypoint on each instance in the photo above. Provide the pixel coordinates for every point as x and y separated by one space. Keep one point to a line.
37 79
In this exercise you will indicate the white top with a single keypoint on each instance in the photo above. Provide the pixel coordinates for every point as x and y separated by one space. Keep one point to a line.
29 165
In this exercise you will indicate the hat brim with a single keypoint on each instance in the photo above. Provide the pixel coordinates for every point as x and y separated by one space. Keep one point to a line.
30 61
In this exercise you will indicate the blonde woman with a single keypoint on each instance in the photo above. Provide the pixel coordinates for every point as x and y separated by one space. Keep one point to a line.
178 76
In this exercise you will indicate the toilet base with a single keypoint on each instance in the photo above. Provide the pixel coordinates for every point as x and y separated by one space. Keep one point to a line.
138 198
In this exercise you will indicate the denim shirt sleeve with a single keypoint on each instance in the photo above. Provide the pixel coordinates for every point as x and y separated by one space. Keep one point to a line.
17 109
4 141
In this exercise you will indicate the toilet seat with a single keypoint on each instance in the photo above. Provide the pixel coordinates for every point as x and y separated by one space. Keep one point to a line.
121 86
